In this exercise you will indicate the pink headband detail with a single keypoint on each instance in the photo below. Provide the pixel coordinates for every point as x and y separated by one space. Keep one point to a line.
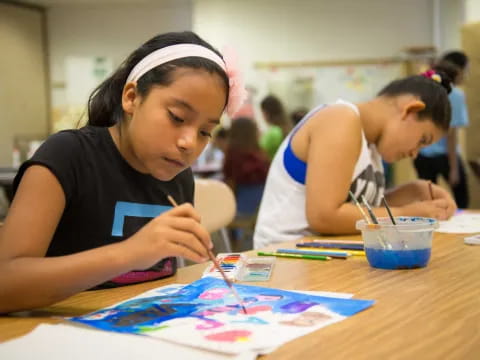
237 92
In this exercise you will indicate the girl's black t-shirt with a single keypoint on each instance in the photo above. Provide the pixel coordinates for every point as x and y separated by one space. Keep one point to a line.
107 200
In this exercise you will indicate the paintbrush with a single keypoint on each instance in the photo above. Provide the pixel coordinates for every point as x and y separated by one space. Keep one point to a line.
360 208
369 209
405 246
389 211
216 264
385 244
430 189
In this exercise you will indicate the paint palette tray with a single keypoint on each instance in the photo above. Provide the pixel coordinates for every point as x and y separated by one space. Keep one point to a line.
256 269
231 264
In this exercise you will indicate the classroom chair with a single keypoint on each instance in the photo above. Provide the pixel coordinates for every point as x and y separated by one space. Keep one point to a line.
248 201
215 202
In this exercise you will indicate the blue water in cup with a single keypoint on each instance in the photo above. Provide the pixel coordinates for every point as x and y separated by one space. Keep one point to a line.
406 245
398 259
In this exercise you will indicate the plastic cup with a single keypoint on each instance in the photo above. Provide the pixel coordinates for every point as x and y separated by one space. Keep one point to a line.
406 245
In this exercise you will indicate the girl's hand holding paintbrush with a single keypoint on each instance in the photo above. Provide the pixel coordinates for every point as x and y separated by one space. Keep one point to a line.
432 201
419 198
176 232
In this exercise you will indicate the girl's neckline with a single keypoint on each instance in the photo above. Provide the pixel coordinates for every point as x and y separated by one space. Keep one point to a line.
122 161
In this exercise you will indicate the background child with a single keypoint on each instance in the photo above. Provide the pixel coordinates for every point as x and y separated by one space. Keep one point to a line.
443 157
245 162
339 147
84 204
279 124
210 162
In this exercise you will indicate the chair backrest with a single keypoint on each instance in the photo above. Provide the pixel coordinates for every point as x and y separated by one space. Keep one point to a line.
248 199
215 202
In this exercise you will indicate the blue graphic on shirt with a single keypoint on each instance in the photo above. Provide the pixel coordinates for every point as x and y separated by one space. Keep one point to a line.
124 209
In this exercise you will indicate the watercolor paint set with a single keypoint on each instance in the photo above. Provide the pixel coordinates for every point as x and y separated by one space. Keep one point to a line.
239 267
231 264
257 269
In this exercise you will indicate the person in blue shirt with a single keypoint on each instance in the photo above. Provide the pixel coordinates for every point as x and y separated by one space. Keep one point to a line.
443 157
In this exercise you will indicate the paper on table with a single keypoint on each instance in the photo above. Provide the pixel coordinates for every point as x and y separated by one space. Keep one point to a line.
463 223
51 342
201 315
60 342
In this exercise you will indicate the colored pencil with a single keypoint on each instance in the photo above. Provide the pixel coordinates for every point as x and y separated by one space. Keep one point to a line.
216 264
331 246
295 256
331 241
334 254
333 251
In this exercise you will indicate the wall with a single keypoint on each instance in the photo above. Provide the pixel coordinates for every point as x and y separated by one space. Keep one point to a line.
23 79
111 31
452 17
472 10
282 30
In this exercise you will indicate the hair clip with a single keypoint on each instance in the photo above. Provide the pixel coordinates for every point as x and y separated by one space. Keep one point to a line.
431 74
437 78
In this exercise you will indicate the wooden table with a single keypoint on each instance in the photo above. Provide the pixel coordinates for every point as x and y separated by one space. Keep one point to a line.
429 313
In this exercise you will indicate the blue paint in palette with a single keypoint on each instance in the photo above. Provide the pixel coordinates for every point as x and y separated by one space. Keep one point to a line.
398 259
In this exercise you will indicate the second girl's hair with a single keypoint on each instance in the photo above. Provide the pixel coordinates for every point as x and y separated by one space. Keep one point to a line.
105 102
432 93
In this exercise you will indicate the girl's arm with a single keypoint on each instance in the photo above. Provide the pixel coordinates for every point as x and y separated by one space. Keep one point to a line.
30 280
333 149
404 194
415 199
334 146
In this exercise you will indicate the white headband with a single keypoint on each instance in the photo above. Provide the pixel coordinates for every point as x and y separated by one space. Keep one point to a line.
169 53
237 92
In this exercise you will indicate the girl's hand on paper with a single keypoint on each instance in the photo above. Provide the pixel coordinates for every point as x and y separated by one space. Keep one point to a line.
177 232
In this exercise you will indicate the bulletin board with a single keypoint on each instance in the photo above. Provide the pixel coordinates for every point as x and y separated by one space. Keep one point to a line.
308 84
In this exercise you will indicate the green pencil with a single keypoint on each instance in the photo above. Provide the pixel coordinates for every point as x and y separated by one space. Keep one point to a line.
297 256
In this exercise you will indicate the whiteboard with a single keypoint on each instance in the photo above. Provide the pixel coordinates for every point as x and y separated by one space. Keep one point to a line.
311 86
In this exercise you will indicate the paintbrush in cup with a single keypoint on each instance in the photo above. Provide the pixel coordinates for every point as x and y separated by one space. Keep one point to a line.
359 208
389 211
385 244
405 246
216 264
369 209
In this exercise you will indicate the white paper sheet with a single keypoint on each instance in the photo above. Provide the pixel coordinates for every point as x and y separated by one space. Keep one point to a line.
52 342
463 223
61 342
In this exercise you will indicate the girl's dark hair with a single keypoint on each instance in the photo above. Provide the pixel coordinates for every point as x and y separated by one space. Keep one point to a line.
105 102
275 113
243 134
450 72
459 58
430 92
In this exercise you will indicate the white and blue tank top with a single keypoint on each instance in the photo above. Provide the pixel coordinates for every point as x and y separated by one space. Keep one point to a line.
282 215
